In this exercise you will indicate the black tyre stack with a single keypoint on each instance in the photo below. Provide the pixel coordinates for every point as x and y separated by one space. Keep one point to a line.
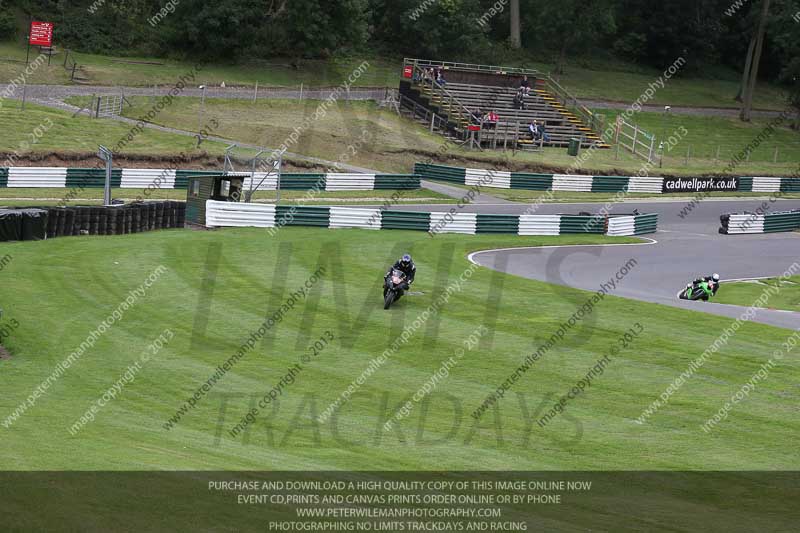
116 220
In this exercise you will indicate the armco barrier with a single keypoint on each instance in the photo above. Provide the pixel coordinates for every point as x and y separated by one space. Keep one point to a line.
138 178
598 184
741 223
221 214
91 220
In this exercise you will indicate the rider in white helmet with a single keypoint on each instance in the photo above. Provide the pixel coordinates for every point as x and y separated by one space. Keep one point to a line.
712 280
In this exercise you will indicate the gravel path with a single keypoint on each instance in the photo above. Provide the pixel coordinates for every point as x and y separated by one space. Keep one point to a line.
59 92
684 110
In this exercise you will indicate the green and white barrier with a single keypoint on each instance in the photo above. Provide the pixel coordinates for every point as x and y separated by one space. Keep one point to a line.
769 184
222 214
632 224
743 223
138 178
602 184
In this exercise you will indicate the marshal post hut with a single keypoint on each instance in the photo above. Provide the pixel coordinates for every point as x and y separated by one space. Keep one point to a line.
199 189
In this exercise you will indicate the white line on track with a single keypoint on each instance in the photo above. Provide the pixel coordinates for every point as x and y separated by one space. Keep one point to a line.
470 256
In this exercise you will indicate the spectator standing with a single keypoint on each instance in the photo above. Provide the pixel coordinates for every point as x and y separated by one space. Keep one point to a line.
519 99
475 116
491 119
525 85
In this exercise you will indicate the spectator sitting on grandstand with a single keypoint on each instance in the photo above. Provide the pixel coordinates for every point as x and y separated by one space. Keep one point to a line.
533 129
427 74
525 85
440 78
543 133
519 99
491 119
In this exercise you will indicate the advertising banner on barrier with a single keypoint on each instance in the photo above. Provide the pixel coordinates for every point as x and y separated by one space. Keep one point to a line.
700 184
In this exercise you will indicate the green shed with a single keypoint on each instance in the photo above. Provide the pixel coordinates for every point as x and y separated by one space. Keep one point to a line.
199 189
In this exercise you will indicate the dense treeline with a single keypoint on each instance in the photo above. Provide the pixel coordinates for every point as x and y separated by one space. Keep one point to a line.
707 33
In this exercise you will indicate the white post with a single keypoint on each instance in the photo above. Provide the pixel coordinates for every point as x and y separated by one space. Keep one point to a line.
635 132
255 93
301 91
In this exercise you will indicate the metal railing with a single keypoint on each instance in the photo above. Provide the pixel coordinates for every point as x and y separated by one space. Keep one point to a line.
457 111
418 110
473 67
636 140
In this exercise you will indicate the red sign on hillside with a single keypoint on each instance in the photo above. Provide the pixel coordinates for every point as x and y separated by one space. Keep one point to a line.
408 71
41 34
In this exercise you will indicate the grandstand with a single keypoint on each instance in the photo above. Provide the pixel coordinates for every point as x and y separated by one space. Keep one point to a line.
451 108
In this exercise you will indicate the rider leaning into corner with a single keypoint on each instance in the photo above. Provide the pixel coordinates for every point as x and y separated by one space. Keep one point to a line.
407 267
712 280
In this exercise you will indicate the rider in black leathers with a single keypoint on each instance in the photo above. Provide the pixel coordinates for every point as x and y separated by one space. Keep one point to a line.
407 267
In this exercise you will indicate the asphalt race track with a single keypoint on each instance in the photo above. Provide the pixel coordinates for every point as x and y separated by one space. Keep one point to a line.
683 249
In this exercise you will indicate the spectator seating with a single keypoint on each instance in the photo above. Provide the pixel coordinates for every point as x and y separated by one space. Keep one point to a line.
560 123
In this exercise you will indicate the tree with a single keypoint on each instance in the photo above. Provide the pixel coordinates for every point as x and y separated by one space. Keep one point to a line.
570 24
514 36
751 76
786 35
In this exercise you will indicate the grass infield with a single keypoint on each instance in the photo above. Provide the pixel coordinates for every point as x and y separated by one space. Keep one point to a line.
745 293
219 287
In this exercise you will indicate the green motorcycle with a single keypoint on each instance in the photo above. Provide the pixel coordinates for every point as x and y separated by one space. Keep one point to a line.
697 291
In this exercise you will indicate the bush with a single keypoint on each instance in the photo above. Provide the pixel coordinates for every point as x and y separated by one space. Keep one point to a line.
8 26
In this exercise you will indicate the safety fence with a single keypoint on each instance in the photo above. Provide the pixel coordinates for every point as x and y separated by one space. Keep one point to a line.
231 214
139 178
603 184
45 223
740 223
